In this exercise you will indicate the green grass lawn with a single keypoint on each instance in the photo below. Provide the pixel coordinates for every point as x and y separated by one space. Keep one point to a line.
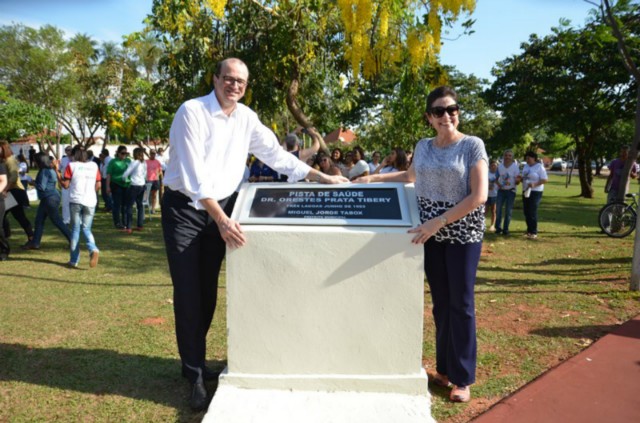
98 344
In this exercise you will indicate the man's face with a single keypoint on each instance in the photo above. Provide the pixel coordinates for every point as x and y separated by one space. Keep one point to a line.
231 84
68 152
624 153
376 157
508 156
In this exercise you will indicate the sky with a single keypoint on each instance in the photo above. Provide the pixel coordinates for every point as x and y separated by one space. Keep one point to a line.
501 25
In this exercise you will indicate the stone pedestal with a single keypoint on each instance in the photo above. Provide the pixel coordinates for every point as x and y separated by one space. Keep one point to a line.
324 325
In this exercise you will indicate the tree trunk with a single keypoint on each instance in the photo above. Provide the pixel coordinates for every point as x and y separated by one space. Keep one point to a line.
300 117
584 170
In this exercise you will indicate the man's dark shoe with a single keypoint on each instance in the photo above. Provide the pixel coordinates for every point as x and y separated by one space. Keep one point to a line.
207 374
198 399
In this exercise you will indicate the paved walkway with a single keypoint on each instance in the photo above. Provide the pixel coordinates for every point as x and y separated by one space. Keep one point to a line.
601 384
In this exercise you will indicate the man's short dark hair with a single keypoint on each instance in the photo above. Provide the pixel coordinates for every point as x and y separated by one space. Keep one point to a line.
79 154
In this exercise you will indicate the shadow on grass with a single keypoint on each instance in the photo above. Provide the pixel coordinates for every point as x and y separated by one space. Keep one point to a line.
32 259
519 280
581 262
525 273
77 282
102 372
578 332
630 329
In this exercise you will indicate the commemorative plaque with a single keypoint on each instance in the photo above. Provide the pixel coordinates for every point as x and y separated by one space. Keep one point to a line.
315 204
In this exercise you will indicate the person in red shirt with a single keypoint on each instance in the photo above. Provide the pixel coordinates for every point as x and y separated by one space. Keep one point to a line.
154 170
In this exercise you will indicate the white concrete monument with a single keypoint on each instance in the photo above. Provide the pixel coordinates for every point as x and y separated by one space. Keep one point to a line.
324 308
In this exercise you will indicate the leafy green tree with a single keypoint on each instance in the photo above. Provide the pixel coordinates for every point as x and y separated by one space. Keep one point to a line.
571 82
621 18
64 78
624 27
313 56
398 118
35 64
18 118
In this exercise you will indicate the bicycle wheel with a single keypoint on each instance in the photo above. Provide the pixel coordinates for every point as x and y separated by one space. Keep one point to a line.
617 219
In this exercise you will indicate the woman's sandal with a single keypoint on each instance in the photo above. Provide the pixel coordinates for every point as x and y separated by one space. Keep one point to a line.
441 380
460 394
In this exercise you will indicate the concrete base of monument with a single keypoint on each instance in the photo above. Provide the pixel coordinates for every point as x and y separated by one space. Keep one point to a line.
324 321
232 404
412 384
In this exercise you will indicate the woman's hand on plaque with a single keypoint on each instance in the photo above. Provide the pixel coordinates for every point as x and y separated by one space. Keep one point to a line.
363 179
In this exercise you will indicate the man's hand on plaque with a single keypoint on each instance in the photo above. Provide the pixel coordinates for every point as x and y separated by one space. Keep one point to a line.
231 233
333 179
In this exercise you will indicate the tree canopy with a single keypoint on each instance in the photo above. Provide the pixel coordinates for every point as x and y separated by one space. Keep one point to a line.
571 82
310 58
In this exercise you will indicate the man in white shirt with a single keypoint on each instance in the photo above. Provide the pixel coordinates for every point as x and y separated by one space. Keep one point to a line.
375 162
160 156
209 142
508 177
104 163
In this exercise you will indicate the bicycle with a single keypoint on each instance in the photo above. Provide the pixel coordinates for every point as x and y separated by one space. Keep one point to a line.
618 219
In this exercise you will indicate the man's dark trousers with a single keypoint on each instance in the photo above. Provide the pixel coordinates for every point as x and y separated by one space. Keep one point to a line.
195 251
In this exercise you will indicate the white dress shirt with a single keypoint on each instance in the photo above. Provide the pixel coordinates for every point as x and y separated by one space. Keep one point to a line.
137 173
209 150
103 167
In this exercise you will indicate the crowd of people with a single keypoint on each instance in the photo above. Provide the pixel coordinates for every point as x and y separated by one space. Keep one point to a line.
504 179
69 192
351 164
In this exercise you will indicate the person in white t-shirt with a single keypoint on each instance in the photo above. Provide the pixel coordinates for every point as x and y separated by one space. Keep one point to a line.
82 179
508 179
137 173
375 162
360 167
533 179
396 161
105 158
160 156
492 196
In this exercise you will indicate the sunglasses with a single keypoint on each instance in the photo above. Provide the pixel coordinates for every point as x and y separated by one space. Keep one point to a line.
439 111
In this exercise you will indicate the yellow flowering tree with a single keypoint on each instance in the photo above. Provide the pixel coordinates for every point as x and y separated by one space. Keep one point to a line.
313 57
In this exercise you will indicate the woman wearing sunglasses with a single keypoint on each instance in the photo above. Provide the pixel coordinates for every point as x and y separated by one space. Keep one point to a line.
450 174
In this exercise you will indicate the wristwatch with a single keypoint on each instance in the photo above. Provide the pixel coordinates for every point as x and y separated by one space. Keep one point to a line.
442 220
